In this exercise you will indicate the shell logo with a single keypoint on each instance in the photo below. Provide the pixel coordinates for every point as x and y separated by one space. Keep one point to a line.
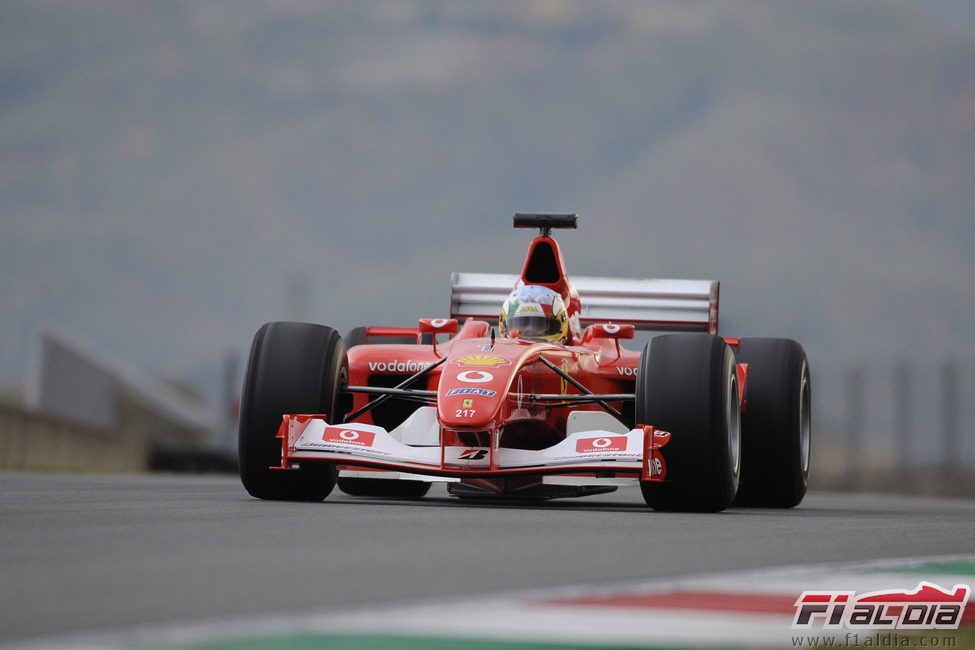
483 360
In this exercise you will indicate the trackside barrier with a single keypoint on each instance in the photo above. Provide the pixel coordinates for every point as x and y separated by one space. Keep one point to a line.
33 441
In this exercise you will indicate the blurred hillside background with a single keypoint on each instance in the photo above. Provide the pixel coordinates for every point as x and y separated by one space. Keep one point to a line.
174 174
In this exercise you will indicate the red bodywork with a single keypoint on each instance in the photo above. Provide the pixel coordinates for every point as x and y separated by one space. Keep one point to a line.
495 394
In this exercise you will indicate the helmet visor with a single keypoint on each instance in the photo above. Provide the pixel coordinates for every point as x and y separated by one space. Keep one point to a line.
534 325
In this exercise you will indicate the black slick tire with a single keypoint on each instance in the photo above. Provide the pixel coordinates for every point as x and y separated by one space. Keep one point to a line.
776 423
378 487
293 368
687 384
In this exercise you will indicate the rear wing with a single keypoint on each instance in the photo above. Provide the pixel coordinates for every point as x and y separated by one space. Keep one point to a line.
668 305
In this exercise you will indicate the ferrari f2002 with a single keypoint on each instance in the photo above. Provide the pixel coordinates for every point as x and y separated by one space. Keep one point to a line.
527 391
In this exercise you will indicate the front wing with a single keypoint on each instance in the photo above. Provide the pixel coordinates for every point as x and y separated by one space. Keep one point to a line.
600 454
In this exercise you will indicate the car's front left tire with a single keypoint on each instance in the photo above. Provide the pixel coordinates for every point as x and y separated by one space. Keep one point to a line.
687 384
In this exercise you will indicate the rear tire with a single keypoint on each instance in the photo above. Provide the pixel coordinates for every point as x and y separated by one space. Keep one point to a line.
293 368
378 487
357 336
687 384
383 487
776 424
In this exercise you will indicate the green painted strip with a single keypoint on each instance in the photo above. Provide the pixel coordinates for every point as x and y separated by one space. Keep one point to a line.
961 567
309 640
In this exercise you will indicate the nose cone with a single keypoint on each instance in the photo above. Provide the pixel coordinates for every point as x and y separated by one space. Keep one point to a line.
474 384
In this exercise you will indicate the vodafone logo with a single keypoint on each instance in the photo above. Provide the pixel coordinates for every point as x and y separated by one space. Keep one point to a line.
475 377
348 436
611 329
655 467
607 443
397 366
437 323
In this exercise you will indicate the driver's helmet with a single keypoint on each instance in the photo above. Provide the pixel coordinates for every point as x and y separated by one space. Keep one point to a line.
536 313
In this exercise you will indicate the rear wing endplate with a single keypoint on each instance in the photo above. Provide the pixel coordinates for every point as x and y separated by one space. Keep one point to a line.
666 305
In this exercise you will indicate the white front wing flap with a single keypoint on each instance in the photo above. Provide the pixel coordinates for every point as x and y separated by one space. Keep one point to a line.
633 453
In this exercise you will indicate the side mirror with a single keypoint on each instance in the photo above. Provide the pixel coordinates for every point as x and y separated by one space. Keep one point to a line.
434 326
438 326
609 331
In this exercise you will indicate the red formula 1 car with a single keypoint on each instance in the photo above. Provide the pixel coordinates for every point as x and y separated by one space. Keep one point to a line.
533 396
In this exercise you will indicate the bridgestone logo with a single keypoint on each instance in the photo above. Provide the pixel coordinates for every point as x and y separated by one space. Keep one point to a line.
398 367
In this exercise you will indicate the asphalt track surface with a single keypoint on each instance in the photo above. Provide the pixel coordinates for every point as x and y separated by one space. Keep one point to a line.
102 552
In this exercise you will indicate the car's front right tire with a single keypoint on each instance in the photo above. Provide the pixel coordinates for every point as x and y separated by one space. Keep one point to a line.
297 368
